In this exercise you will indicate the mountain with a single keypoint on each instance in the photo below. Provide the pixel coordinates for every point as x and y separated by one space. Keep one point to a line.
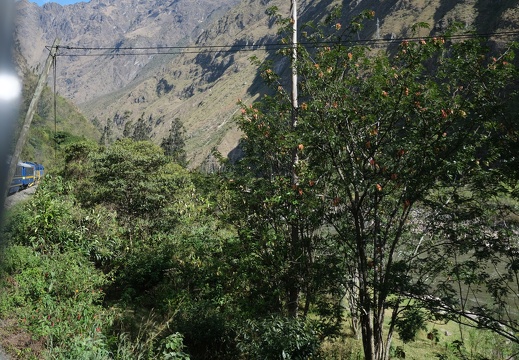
108 24
201 83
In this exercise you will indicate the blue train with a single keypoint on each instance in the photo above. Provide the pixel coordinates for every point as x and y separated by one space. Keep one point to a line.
27 174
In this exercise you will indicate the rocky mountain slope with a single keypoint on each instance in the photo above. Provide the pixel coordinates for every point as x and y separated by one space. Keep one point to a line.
108 24
202 84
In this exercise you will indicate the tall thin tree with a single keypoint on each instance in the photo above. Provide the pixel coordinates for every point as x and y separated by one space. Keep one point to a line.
174 144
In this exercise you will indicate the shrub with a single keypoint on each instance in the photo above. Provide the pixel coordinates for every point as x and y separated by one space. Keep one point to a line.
57 298
279 338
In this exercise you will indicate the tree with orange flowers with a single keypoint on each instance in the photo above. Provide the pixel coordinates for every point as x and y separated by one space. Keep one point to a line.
396 147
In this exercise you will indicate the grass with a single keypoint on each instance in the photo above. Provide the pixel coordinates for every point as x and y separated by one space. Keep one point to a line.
449 341
442 340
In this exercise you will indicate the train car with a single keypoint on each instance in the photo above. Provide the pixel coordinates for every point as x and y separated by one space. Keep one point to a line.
23 177
38 170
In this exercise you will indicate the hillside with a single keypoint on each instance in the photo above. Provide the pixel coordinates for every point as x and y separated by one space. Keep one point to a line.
201 85
107 23
48 130
205 86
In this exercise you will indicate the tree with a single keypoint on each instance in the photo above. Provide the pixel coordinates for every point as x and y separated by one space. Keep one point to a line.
174 144
142 129
385 133
269 206
107 134
136 178
381 136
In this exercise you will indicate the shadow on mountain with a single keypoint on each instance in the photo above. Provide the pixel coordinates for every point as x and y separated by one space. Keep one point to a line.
490 15
313 11
440 24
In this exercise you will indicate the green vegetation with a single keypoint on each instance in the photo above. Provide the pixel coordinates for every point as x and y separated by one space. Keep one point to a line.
401 157
48 132
174 144
382 225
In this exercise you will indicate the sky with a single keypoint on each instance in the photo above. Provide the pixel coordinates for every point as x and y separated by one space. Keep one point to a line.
61 2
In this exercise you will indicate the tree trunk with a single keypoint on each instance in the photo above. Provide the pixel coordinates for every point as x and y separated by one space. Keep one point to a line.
293 278
373 336
368 340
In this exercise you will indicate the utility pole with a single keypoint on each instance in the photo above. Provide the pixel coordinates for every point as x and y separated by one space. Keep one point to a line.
295 243
30 112
295 105
294 63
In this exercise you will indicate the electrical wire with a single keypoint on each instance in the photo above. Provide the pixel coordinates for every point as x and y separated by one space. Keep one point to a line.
73 51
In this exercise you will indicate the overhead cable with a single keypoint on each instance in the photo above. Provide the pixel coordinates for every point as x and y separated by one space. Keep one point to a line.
81 51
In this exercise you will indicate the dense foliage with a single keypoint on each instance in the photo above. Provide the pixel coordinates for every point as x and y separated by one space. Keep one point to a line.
401 157
388 204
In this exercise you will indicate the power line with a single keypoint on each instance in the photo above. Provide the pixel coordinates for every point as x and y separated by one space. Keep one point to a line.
200 49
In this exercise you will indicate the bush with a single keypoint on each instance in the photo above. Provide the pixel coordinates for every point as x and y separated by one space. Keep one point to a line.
57 298
279 338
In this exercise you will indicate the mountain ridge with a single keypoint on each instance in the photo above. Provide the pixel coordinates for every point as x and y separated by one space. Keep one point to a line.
201 87
107 24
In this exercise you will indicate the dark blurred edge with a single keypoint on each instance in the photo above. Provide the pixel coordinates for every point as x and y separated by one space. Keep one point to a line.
8 108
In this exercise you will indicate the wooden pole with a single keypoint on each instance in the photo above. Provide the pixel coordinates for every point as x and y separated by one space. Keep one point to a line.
295 104
30 112
295 243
